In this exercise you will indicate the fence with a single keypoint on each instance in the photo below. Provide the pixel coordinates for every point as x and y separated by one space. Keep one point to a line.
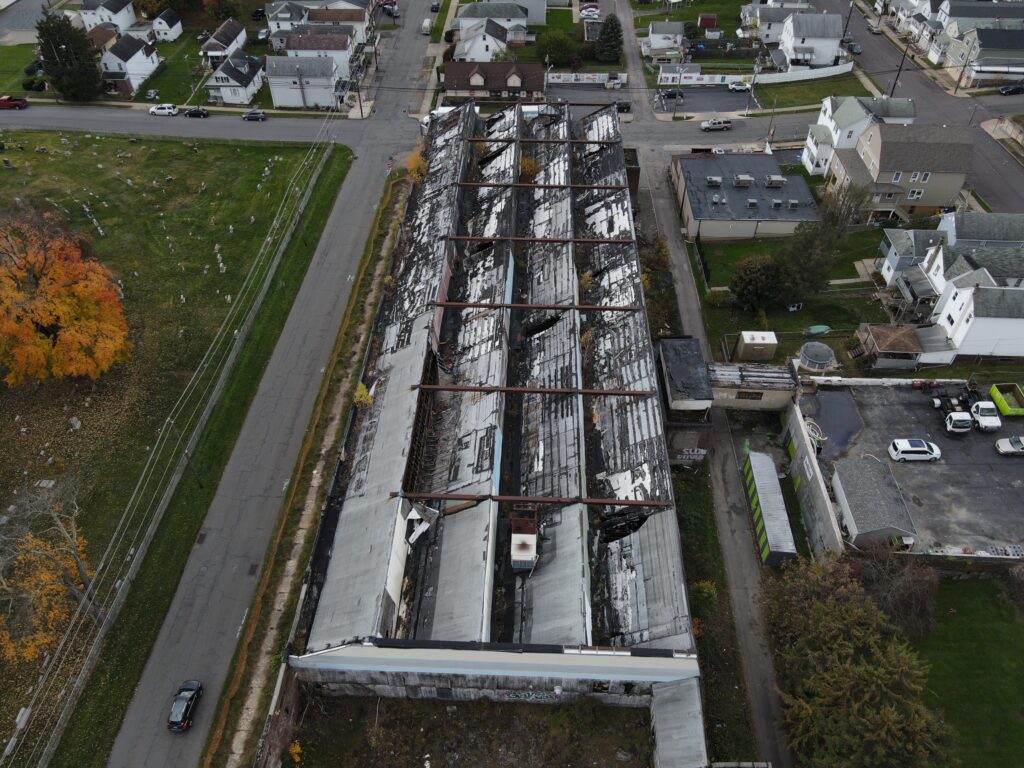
586 78
673 78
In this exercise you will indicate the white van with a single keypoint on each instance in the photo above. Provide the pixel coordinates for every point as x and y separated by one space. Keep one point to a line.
426 26
914 450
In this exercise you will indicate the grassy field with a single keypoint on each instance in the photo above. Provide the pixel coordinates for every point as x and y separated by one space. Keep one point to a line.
13 60
721 258
728 15
177 74
109 690
403 733
977 665
807 92
725 705
158 237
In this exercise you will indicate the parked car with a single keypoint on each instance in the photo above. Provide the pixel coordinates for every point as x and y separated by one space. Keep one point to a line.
716 124
153 94
717 151
183 707
847 37
986 416
855 48
435 7
590 14
170 110
739 87
426 27
258 15
392 11
590 7
203 36
263 35
672 93
1012 90
914 450
197 112
9 102
623 106
874 28
255 114
1011 446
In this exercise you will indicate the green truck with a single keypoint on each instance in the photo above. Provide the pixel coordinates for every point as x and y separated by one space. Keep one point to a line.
1009 399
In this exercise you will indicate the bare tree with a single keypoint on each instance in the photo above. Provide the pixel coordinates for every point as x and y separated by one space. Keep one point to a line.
901 585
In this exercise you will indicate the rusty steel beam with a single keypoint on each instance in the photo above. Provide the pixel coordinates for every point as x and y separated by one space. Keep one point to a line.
528 185
516 239
536 390
500 305
426 496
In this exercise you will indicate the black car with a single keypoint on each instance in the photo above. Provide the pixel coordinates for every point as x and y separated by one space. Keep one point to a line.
435 6
623 106
1012 90
197 112
672 93
183 708
258 15
255 114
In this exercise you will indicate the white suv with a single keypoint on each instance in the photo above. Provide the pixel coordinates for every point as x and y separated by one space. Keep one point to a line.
164 109
739 86
914 450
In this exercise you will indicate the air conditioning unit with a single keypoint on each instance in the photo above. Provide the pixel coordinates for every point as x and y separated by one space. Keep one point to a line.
793 204
714 199
742 180
776 203
775 181
714 181
751 202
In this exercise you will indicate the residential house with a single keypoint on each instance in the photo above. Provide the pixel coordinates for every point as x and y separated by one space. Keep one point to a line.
909 170
986 55
167 25
127 64
302 82
237 80
354 21
536 10
507 15
282 16
765 22
496 80
481 41
971 14
102 37
229 37
811 39
120 13
843 119
739 196
666 41
902 249
319 44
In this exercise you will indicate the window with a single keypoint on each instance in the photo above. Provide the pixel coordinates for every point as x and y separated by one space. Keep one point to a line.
925 176
914 176
915 194
955 294
889 195
849 134
896 176
744 395
969 318
949 319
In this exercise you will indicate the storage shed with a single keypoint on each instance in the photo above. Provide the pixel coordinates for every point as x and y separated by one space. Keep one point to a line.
774 537
871 507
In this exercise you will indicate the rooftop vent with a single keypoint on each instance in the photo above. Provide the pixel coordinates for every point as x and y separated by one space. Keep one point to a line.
751 202
775 181
714 181
793 204
742 180
714 199
524 543
776 203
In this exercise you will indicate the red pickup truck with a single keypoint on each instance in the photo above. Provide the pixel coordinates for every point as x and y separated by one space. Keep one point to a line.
9 102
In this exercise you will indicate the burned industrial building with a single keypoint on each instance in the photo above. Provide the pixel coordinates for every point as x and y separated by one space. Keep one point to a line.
505 520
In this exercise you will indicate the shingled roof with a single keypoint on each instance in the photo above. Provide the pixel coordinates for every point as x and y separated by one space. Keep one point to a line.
457 75
492 11
933 148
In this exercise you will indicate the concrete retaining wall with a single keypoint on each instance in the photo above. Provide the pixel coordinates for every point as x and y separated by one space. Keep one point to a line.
815 504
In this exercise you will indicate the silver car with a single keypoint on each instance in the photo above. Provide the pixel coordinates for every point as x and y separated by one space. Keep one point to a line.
1011 446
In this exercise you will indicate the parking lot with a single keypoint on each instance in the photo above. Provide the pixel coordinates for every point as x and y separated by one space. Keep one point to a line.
702 101
972 498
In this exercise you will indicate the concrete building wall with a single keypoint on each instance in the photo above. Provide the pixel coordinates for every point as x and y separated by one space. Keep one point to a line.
771 399
815 504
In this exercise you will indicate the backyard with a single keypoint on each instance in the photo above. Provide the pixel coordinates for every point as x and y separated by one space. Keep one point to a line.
808 92
976 671
404 733
728 12
179 72
13 60
163 217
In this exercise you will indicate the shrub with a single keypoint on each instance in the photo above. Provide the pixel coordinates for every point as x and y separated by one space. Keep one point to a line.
449 36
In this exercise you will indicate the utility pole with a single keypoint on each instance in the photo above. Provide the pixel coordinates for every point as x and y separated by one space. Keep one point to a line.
750 93
848 16
899 71
961 77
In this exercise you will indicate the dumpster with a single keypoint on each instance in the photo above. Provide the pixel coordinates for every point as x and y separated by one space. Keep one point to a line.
1009 399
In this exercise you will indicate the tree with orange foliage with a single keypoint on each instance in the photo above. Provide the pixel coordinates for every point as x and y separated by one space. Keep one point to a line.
43 573
60 313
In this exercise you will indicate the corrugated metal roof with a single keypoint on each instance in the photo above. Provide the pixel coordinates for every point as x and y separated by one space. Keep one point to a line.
773 505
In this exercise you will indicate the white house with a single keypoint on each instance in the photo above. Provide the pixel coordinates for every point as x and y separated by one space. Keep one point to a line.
318 45
167 25
120 13
285 15
664 39
237 80
536 10
811 39
304 83
229 37
507 15
843 119
481 41
765 22
127 64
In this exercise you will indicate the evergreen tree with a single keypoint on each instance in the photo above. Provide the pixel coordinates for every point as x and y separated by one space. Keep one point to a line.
70 60
609 42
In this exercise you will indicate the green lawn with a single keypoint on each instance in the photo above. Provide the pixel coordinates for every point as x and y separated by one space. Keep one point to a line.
807 92
728 15
439 21
178 73
13 60
725 704
560 18
976 653
721 258
109 690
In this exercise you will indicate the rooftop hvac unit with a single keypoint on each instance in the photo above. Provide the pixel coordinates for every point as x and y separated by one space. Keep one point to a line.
775 181
751 202
524 543
776 203
793 204
714 181
742 180
714 199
